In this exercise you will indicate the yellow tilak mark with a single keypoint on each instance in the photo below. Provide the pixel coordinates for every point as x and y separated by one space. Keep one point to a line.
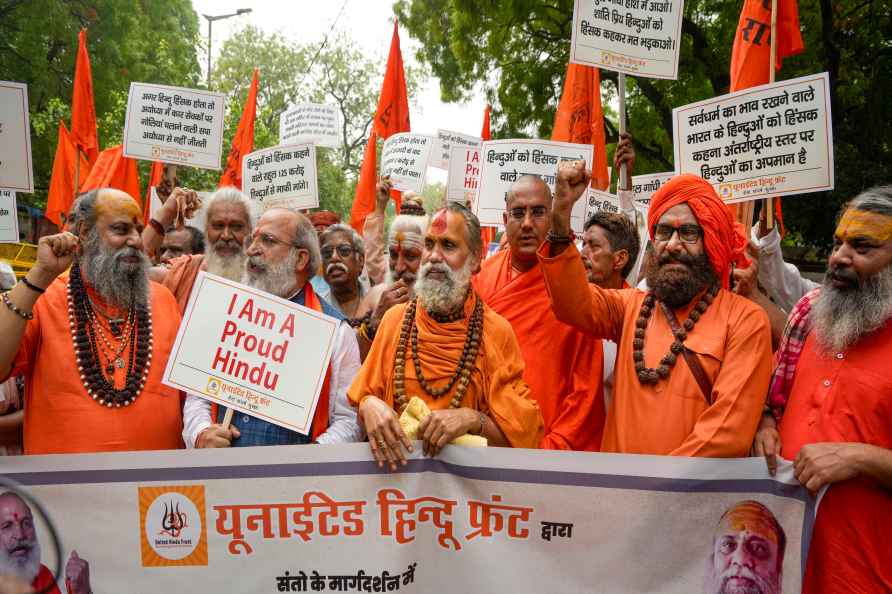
861 223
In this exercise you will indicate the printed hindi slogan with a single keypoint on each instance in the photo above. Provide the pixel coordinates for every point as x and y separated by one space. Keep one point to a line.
16 171
9 219
251 351
447 140
404 158
598 201
770 140
645 186
503 162
471 520
174 125
310 122
640 37
282 176
464 175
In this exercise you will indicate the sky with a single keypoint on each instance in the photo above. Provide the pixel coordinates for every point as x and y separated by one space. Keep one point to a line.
370 24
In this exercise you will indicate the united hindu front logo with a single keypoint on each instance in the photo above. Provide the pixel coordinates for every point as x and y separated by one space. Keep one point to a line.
172 526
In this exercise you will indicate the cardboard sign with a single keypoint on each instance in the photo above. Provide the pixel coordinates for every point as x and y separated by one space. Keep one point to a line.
9 218
174 125
310 122
645 186
640 37
282 176
404 158
16 172
464 175
447 140
251 351
503 162
770 140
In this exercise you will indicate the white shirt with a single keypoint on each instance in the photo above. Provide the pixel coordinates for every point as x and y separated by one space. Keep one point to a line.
343 426
783 282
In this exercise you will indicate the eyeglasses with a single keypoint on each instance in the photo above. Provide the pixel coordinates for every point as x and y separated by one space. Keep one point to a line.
519 214
686 233
269 242
344 251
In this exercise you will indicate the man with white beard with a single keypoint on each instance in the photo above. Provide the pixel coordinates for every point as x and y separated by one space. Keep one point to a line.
92 342
451 350
282 258
227 227
20 551
830 402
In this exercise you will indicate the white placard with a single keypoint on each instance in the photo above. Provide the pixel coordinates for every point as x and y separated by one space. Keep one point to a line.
598 201
9 218
282 176
404 158
310 122
174 125
640 37
644 186
770 140
447 141
251 351
198 218
16 172
503 162
464 174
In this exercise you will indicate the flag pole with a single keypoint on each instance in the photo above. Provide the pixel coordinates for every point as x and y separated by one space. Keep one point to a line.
621 91
768 203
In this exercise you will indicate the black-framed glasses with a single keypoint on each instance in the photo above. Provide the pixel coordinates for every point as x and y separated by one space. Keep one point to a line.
519 214
686 233
343 250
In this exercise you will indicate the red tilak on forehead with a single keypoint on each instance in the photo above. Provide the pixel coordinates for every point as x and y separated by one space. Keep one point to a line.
438 225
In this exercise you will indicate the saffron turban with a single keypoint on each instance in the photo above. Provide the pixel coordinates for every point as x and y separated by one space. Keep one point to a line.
724 240
324 218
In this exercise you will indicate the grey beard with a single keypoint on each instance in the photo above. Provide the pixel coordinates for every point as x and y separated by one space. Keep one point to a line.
118 283
229 267
277 279
447 295
841 317
26 569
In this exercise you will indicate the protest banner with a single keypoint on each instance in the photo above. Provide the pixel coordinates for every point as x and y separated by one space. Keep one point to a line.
598 201
775 139
464 174
404 158
16 172
174 125
325 518
282 176
644 186
640 37
251 351
447 140
9 218
503 162
310 122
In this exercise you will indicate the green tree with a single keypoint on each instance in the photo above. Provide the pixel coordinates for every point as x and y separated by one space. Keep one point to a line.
518 49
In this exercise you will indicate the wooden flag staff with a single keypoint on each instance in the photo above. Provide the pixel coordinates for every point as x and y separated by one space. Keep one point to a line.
768 203
621 90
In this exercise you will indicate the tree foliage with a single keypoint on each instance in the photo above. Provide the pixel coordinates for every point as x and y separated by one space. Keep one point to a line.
518 49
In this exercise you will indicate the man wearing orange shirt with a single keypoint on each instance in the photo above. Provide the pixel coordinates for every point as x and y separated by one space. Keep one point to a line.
832 396
562 364
694 359
92 343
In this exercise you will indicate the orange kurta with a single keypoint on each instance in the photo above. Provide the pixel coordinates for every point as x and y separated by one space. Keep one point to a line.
60 417
732 340
563 366
497 387
845 397
181 277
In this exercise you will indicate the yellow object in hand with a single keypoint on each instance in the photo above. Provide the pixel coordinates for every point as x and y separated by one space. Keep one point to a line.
417 411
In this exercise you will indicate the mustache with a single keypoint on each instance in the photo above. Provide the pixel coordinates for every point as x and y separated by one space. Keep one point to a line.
257 262
845 275
336 266
671 258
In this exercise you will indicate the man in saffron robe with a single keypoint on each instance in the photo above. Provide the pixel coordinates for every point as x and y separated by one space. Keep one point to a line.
73 365
282 258
563 365
483 393
694 391
831 403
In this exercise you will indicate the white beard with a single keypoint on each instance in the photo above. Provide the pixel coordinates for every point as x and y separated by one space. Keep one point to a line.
229 267
24 569
277 279
842 317
447 295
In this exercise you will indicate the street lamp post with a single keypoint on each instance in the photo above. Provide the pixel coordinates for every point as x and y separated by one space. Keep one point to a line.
219 17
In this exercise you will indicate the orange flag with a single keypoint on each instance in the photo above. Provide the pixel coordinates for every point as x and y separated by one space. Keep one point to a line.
155 177
113 170
752 41
580 119
487 234
486 132
83 111
243 141
62 190
364 199
392 115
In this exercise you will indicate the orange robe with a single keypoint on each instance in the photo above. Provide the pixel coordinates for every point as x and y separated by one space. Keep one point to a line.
181 277
60 417
845 397
497 388
732 340
563 365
